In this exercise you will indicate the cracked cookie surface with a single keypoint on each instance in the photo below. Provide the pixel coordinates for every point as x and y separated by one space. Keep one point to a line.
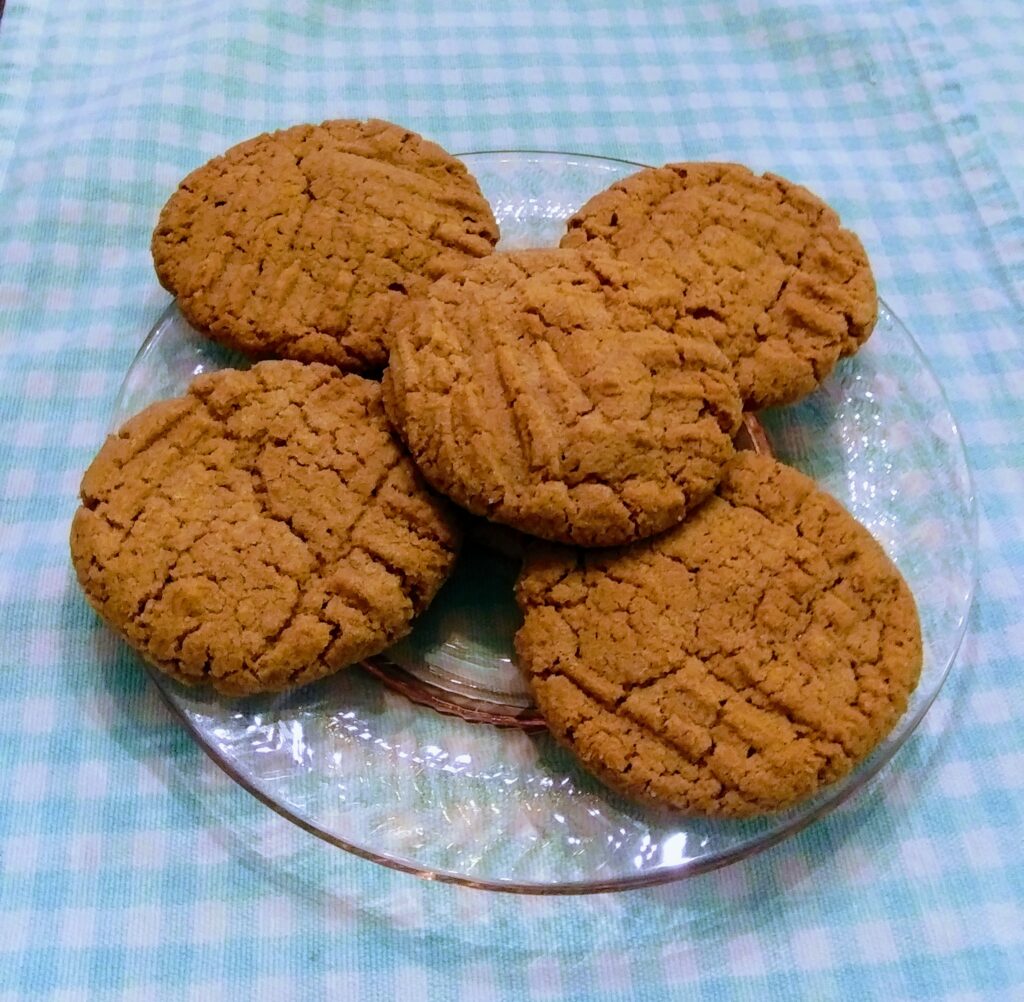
262 531
760 264
533 389
304 243
733 665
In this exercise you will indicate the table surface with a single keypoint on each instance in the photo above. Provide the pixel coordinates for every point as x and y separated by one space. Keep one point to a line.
130 867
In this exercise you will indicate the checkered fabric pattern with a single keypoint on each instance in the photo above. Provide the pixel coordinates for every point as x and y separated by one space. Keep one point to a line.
129 866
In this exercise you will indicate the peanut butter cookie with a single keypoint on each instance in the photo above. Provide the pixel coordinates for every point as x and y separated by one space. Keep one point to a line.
760 265
733 665
303 243
532 388
262 531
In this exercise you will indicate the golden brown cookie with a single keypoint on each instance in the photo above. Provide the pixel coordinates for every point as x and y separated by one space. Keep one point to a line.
533 389
760 265
303 243
262 531
733 665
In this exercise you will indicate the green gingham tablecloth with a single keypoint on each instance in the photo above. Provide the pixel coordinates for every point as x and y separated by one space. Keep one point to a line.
130 867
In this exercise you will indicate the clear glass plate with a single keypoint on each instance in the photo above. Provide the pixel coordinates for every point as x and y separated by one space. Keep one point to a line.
370 771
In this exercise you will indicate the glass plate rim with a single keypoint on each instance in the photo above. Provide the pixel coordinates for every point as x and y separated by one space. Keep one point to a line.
663 875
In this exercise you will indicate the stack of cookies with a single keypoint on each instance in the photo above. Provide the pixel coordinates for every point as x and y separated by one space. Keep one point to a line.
704 628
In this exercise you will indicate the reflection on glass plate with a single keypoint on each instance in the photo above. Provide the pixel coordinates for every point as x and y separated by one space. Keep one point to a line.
370 771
